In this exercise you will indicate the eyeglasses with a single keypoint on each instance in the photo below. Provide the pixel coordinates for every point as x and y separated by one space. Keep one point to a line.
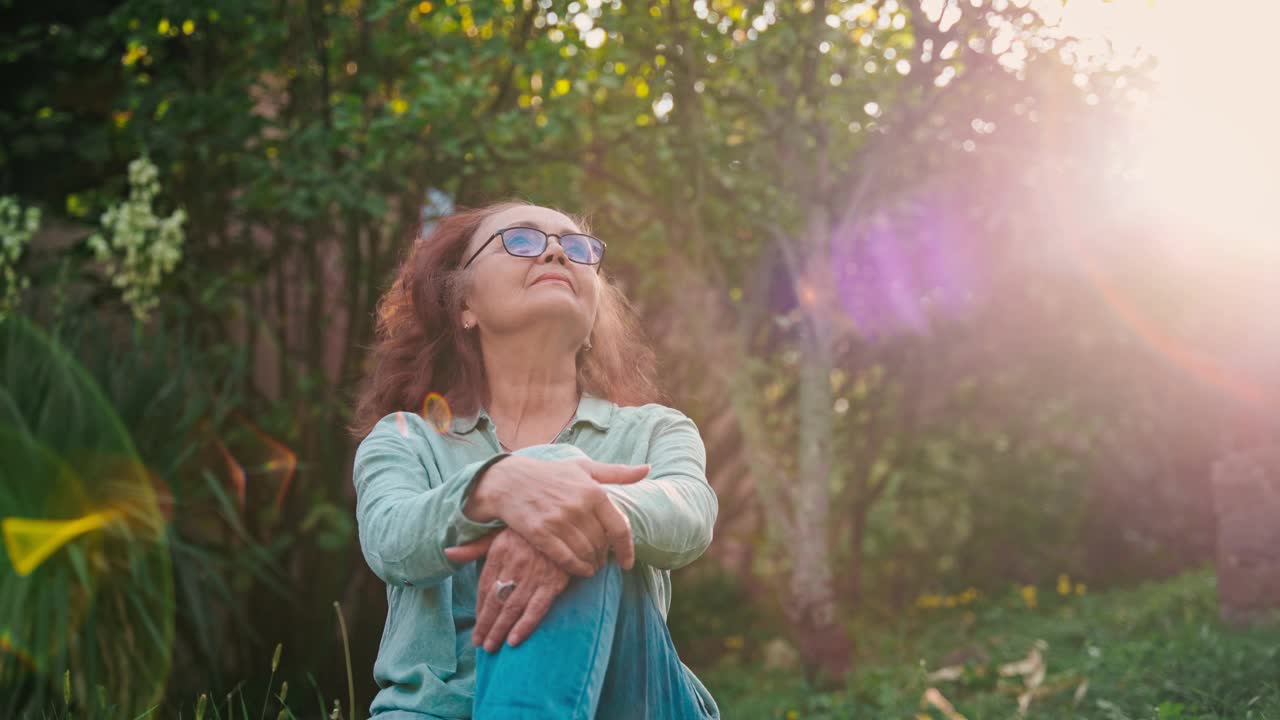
531 242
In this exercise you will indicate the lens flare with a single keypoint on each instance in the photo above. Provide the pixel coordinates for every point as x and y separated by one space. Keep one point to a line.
235 474
1198 365
896 273
8 648
1195 168
435 410
29 541
253 458
85 576
281 462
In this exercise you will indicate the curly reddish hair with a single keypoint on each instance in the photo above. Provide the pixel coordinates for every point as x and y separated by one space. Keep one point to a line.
421 347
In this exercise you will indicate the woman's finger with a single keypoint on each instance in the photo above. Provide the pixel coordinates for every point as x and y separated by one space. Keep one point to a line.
512 609
618 528
534 611
616 472
473 550
599 539
485 603
576 538
561 553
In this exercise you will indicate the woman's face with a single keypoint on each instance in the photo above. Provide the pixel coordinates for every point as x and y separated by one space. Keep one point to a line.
508 293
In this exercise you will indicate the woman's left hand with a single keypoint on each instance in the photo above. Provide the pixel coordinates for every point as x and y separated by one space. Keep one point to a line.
538 582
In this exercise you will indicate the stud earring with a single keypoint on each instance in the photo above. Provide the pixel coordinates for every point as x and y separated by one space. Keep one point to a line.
587 346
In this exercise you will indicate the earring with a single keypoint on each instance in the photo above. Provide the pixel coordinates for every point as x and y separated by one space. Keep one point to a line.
587 346
466 326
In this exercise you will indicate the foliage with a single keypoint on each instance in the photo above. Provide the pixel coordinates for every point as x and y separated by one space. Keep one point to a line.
106 603
1149 653
142 247
153 402
713 616
17 225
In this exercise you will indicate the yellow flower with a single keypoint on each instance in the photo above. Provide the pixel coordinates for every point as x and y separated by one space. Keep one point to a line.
163 26
188 27
1080 588
424 8
793 714
1029 595
133 54
1064 585
735 642
77 208
929 601
399 106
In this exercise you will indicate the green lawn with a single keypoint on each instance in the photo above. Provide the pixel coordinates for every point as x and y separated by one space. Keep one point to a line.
1157 651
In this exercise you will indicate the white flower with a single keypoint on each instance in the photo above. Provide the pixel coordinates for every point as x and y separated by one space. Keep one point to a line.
17 226
142 247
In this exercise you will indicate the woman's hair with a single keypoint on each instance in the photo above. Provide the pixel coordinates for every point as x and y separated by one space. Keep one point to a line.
421 347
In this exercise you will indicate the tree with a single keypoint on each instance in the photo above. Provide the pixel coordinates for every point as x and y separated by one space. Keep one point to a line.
789 139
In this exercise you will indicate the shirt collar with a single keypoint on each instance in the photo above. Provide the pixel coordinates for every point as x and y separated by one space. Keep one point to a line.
594 410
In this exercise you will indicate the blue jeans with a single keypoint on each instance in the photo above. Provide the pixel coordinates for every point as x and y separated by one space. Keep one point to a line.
602 651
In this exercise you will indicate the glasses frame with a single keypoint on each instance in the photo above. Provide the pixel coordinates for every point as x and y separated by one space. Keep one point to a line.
546 242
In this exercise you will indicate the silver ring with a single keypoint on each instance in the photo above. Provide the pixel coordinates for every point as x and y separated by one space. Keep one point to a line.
503 589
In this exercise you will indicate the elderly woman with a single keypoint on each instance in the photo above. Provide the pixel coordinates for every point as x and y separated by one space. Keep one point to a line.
526 523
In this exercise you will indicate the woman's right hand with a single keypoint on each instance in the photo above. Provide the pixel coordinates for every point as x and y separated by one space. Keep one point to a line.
559 507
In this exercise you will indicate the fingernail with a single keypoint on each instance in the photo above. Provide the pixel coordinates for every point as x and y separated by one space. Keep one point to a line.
513 639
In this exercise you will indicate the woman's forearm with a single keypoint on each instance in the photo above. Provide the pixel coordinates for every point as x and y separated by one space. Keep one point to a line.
484 502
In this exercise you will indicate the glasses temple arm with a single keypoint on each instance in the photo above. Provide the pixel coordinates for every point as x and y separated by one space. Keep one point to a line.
482 247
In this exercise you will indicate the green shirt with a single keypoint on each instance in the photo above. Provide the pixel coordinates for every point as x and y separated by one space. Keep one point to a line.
411 484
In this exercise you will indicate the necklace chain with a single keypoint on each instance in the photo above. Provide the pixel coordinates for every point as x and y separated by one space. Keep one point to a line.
562 429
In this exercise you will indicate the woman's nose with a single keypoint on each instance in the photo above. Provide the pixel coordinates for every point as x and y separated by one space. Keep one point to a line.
554 252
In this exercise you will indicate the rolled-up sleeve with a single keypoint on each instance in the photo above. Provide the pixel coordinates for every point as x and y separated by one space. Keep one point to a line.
672 511
406 511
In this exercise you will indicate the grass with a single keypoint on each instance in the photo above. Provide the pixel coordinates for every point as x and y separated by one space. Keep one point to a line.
1154 652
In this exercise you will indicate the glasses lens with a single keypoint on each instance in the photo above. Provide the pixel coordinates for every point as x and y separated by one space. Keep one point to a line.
525 242
582 249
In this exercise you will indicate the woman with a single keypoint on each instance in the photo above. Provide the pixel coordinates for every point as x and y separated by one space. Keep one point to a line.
526 539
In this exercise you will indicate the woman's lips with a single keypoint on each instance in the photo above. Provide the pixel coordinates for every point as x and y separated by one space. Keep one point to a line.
553 279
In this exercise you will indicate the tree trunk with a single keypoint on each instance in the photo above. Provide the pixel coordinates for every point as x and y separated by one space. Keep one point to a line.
1246 494
813 610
